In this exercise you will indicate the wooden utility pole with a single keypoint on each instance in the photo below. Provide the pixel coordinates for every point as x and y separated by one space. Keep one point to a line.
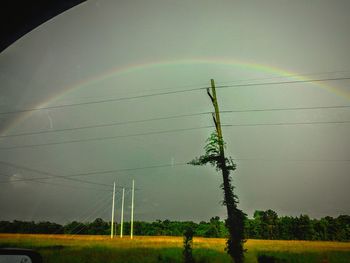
235 217
112 220
216 118
132 210
122 215
222 160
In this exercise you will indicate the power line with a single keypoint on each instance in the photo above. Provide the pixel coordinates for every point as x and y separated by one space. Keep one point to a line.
63 185
48 174
167 93
301 75
170 131
290 160
100 101
281 82
100 210
288 109
111 124
106 172
56 184
103 125
165 166
103 138
86 214
100 207
286 123
288 76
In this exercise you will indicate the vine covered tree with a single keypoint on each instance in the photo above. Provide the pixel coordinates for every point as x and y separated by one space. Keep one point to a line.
188 243
235 217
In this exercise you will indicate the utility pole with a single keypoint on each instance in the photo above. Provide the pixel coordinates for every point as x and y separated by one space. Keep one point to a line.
235 217
132 210
222 160
122 215
216 118
112 221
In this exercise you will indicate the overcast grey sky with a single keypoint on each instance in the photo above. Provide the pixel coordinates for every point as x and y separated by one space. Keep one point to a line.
111 49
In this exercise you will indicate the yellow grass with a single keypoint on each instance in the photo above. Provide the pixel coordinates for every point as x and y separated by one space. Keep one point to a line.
77 248
167 241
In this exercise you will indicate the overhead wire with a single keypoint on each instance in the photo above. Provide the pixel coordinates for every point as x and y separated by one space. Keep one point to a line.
280 82
303 75
84 226
86 214
105 138
101 206
285 123
168 131
288 109
99 210
290 160
112 124
166 93
99 101
56 184
107 172
165 166
49 175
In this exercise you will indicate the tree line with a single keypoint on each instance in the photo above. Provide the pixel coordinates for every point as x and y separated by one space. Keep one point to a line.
264 225
268 225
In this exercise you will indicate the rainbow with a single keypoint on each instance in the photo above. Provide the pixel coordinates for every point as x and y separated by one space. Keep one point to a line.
131 68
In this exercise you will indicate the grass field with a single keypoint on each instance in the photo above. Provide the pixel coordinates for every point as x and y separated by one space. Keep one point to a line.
66 248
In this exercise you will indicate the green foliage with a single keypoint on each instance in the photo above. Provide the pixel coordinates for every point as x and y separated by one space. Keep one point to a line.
98 227
75 228
214 155
17 226
265 225
188 243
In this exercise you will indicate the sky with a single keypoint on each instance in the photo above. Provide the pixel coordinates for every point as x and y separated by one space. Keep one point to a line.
101 51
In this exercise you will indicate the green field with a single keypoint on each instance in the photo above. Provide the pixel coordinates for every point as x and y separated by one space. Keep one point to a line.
67 248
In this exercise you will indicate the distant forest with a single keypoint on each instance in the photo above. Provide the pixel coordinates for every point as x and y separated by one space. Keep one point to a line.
264 225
